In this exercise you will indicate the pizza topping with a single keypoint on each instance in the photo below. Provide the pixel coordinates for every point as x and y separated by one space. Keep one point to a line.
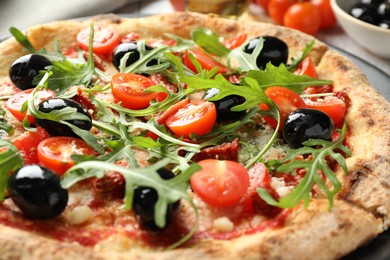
55 152
304 124
145 199
220 183
223 224
134 54
224 106
273 50
333 106
37 192
57 128
79 215
129 90
104 40
197 117
24 69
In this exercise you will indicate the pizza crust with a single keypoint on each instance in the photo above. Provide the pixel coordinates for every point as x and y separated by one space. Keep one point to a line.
358 216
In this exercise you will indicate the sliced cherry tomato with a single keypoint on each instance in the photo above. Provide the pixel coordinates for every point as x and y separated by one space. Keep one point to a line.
334 107
220 183
27 144
205 61
197 117
277 8
307 67
261 178
328 19
171 110
286 101
14 103
104 40
303 16
55 152
129 89
236 41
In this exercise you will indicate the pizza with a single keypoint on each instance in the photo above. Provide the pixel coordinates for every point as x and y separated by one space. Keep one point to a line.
187 136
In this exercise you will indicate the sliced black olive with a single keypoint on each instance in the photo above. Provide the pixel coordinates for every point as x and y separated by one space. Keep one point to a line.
24 69
225 105
304 124
384 24
37 192
384 10
129 47
57 129
274 50
145 199
365 12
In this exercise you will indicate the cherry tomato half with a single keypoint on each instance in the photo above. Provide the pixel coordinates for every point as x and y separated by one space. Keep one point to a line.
236 41
14 103
220 183
307 67
205 61
277 9
334 107
197 117
328 19
55 152
129 89
27 144
104 40
286 101
303 16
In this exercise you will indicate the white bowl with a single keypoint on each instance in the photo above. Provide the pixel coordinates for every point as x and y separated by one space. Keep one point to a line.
374 38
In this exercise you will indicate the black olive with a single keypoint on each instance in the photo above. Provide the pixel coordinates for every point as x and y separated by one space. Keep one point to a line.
145 199
274 50
24 69
365 12
57 129
225 105
304 124
372 2
37 192
128 47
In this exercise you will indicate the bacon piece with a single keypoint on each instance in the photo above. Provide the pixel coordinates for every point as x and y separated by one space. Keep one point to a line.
226 151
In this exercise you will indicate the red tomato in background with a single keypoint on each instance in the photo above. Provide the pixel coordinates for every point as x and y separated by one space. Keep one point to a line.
220 183
14 103
104 40
205 61
27 144
129 89
334 107
328 19
286 100
55 152
307 67
303 16
277 8
196 117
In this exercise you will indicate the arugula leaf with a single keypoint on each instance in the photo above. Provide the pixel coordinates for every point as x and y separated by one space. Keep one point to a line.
246 61
209 41
280 76
22 39
319 150
10 160
141 65
182 44
295 62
